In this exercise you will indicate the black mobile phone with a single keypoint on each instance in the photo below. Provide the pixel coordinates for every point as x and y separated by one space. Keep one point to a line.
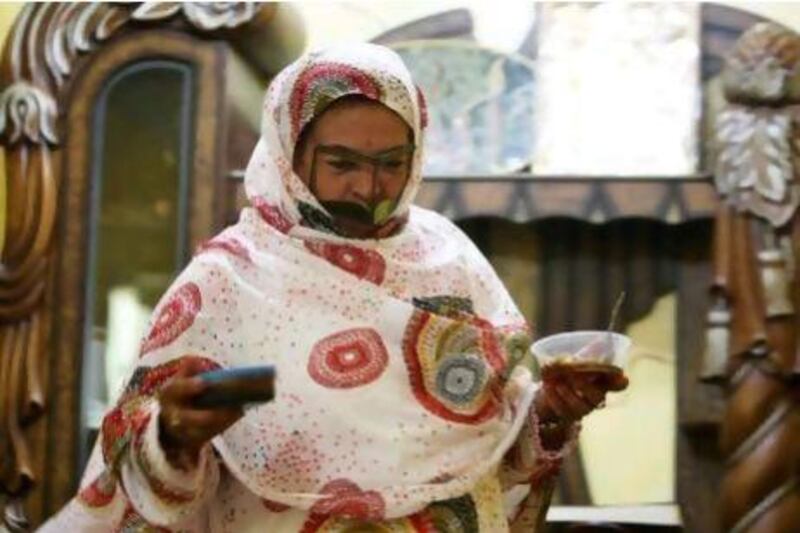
237 387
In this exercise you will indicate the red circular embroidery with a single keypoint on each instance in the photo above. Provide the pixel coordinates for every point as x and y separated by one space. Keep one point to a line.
100 492
348 359
310 90
175 317
226 244
272 215
368 265
345 498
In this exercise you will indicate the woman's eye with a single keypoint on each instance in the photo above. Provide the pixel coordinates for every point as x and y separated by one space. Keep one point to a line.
342 165
392 165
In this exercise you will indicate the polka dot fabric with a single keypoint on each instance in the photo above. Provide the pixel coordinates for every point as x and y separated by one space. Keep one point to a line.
385 402
407 404
301 92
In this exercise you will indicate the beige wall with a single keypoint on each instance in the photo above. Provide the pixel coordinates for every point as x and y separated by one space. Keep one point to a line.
8 12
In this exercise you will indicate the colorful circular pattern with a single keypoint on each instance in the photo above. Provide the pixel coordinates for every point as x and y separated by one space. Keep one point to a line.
346 499
348 359
461 378
363 264
451 366
322 83
175 317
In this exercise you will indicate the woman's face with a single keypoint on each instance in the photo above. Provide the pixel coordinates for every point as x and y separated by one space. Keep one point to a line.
356 159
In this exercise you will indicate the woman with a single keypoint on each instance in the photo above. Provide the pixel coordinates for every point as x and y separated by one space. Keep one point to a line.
399 400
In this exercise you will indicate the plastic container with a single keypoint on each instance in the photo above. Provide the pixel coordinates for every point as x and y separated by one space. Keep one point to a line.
583 346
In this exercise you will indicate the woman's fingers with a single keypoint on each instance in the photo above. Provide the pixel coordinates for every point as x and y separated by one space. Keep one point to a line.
601 381
208 423
182 390
578 394
548 405
573 405
554 398
544 409
193 428
595 396
592 393
609 381
192 366
618 382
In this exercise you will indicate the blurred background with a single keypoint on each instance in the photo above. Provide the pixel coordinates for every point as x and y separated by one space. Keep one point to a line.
572 141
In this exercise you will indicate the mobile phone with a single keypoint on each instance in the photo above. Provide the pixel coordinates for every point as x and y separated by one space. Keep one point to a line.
237 387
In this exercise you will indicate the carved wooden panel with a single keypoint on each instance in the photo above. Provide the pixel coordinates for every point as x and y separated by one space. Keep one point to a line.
753 343
596 201
50 79
526 199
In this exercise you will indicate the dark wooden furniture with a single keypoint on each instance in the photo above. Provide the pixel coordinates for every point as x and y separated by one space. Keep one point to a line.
64 73
754 347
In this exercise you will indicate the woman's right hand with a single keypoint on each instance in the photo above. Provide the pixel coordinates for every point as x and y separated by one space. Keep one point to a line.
183 428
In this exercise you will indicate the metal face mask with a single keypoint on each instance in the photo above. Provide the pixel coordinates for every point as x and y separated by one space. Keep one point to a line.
381 178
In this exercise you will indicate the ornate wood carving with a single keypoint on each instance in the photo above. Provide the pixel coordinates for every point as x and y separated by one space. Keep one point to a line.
526 199
47 46
753 325
721 26
592 200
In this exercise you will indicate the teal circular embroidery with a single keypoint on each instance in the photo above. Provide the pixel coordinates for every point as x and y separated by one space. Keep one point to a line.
460 378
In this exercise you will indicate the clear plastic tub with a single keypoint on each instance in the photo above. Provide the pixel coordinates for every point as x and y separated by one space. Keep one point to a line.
583 346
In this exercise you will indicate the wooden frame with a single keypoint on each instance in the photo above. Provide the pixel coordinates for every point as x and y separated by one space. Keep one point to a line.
526 199
53 67
72 248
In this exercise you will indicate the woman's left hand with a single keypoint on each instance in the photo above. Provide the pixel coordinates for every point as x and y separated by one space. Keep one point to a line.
563 402
575 395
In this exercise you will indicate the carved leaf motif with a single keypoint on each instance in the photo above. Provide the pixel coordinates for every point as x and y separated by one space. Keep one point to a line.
156 10
206 16
763 65
754 166
27 113
215 15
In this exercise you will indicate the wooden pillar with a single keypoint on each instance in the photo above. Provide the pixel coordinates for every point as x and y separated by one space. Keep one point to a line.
49 45
753 325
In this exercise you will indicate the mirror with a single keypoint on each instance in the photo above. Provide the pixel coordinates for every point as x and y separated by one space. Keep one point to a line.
142 129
